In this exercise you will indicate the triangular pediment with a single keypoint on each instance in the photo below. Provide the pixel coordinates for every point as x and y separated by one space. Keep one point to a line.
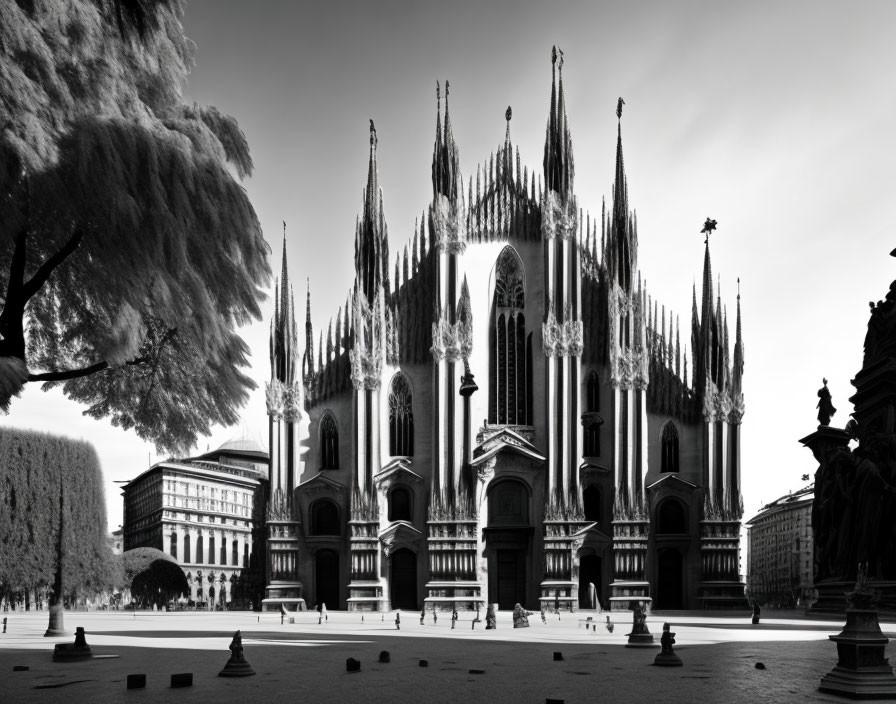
591 538
400 534
671 481
398 470
501 440
321 482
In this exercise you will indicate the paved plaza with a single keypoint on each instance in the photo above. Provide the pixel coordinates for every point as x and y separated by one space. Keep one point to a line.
305 661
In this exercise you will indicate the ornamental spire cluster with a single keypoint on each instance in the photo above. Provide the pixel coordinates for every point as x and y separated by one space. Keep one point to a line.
621 225
558 162
445 161
284 348
371 237
714 369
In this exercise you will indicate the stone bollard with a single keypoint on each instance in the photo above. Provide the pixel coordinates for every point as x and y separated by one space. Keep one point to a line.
352 665
182 679
384 656
237 666
640 636
4 624
136 681
79 650
756 612
667 657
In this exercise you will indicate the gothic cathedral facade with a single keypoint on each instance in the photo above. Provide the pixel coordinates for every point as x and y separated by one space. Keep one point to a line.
507 416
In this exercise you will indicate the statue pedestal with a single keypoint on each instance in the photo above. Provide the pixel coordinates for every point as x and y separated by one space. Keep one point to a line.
862 671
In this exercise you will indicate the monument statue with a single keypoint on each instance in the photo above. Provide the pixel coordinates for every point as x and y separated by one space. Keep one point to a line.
854 508
825 408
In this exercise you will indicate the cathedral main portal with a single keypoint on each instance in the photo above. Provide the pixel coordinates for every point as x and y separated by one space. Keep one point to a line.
511 578
403 579
508 542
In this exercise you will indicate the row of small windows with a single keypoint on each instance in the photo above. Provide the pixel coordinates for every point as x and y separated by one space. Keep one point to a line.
325 513
200 551
401 424
508 505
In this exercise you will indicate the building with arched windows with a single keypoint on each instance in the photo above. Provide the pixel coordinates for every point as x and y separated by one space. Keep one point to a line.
506 414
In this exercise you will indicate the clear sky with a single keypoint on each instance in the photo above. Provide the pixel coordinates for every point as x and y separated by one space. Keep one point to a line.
775 118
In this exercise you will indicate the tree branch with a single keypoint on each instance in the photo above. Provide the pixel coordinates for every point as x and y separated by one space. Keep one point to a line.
40 277
79 373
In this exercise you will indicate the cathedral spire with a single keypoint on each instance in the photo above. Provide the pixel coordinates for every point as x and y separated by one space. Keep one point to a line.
445 159
738 367
283 343
621 226
558 162
308 361
371 243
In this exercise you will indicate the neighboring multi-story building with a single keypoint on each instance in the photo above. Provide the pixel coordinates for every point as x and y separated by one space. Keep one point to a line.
207 512
590 455
781 549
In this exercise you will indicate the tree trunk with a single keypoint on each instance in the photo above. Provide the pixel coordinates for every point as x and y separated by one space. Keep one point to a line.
57 623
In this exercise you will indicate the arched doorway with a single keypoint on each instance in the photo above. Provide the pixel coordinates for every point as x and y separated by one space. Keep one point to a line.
403 579
670 588
589 573
326 578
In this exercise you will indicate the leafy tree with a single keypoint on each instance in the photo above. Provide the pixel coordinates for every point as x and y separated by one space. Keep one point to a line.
154 577
38 473
129 251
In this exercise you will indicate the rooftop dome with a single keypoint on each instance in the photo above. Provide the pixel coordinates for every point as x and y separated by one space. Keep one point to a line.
241 445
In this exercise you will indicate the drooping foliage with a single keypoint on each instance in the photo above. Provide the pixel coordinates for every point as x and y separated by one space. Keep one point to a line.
129 251
154 577
36 470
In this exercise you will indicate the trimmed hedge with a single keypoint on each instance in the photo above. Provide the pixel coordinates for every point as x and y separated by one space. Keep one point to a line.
35 468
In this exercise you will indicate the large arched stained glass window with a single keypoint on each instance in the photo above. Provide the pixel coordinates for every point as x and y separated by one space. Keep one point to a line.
669 448
329 442
510 353
591 421
401 418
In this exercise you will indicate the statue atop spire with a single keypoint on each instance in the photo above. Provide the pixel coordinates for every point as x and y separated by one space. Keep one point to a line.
619 105
708 228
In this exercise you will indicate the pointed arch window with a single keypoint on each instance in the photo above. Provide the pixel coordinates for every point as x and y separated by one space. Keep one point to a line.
591 419
329 442
669 448
187 548
510 348
401 418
